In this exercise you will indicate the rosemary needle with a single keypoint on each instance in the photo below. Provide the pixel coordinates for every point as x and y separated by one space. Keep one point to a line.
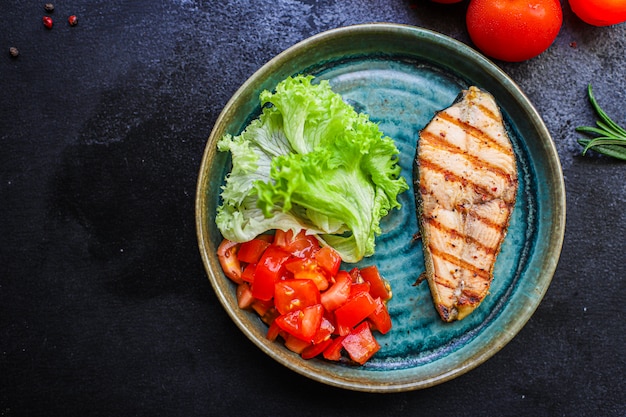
608 137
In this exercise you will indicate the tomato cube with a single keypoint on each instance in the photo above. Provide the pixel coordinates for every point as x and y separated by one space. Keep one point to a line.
282 237
333 350
355 273
355 310
360 287
380 318
296 344
315 349
244 296
295 294
379 287
301 245
304 323
269 270
338 293
307 269
325 331
273 331
329 260
248 273
361 344
264 308
250 252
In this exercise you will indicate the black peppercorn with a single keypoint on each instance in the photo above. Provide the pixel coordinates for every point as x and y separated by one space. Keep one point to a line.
49 7
14 52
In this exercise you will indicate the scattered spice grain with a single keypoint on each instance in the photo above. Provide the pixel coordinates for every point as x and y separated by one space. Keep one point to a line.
47 22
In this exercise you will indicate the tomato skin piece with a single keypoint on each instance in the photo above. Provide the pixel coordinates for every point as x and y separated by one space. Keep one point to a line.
513 30
250 252
269 270
379 287
338 293
355 310
304 323
380 318
295 294
600 12
227 255
361 344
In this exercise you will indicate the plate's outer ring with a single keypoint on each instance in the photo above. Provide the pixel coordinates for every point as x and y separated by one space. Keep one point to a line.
449 54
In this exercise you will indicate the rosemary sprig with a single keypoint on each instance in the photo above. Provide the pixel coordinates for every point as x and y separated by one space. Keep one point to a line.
609 138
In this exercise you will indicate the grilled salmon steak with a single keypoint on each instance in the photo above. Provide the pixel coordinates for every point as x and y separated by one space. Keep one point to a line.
466 184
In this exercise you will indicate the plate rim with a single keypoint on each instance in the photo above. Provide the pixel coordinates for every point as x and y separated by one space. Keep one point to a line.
556 229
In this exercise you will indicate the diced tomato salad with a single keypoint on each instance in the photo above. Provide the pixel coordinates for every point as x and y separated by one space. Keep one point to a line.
297 288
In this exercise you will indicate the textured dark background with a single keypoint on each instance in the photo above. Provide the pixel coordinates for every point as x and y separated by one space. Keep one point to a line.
105 308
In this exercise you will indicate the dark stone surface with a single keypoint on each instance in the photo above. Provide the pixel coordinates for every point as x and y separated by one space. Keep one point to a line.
105 308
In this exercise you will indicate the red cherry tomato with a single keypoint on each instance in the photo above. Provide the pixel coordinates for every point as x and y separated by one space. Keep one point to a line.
600 12
513 30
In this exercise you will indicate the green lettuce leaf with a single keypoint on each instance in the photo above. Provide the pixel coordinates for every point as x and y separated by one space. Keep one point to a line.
309 161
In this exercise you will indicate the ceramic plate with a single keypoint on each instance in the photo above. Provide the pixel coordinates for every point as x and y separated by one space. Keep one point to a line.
400 75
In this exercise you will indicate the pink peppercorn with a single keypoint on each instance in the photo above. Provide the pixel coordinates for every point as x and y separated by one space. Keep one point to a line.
47 22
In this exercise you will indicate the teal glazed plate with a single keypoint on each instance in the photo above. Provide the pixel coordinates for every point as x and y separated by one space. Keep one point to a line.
400 76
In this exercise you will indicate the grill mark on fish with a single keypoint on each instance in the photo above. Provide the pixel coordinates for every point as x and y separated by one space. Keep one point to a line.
452 177
476 132
476 161
466 238
480 272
